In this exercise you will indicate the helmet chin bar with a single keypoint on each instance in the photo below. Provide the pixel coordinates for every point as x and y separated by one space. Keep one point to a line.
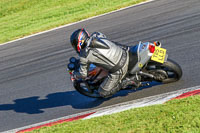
81 45
84 44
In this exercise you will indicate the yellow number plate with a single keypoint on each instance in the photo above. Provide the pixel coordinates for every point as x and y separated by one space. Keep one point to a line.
159 55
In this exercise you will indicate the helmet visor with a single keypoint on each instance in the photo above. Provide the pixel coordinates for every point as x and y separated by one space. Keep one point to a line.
80 41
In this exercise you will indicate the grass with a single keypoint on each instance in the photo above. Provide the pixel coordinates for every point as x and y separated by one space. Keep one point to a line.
176 116
19 18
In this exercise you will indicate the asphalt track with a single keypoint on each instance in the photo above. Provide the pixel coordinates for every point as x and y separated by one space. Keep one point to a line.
34 84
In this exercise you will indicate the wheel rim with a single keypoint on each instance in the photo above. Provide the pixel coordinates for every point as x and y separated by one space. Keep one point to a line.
171 74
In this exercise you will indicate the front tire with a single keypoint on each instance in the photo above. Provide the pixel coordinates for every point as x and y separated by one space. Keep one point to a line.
170 71
84 88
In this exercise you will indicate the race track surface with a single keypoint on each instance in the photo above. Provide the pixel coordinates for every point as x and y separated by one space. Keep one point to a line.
34 84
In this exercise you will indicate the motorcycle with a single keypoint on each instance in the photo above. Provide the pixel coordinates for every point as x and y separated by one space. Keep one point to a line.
147 62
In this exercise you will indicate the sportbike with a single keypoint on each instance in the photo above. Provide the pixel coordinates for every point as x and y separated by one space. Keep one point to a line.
147 62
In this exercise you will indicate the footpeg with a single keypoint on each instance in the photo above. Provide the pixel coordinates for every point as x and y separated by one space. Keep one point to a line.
129 82
145 84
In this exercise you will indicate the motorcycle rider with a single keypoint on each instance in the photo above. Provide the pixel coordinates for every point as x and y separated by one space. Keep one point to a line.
98 50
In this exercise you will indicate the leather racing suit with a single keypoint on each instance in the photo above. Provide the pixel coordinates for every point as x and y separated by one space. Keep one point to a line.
108 55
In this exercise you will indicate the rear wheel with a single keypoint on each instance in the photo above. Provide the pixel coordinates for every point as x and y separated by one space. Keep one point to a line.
167 72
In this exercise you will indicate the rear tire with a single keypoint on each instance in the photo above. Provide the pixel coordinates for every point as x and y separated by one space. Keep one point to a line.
171 68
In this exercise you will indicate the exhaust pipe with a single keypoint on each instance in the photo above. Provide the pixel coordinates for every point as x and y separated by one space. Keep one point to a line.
146 74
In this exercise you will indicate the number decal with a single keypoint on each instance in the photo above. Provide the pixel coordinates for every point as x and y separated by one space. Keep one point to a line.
159 55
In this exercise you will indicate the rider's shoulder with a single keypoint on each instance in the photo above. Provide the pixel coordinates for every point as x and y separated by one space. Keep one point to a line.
98 35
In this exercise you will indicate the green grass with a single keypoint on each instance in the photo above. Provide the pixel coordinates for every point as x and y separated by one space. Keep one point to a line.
19 18
177 116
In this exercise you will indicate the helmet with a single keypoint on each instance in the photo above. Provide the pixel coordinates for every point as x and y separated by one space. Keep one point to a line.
78 39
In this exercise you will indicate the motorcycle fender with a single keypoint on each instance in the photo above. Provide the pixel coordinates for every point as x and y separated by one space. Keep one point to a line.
144 57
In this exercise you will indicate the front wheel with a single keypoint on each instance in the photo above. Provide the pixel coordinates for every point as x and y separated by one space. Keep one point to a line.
86 89
167 72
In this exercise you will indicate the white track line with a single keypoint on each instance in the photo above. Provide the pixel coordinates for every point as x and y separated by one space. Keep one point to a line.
75 22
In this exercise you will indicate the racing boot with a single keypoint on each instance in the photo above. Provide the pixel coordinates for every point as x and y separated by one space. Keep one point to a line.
106 94
130 82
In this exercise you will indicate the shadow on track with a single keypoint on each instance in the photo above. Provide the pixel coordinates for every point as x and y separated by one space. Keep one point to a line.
34 105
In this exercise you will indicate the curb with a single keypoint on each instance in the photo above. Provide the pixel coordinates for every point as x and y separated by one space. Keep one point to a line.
148 101
188 94
55 123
